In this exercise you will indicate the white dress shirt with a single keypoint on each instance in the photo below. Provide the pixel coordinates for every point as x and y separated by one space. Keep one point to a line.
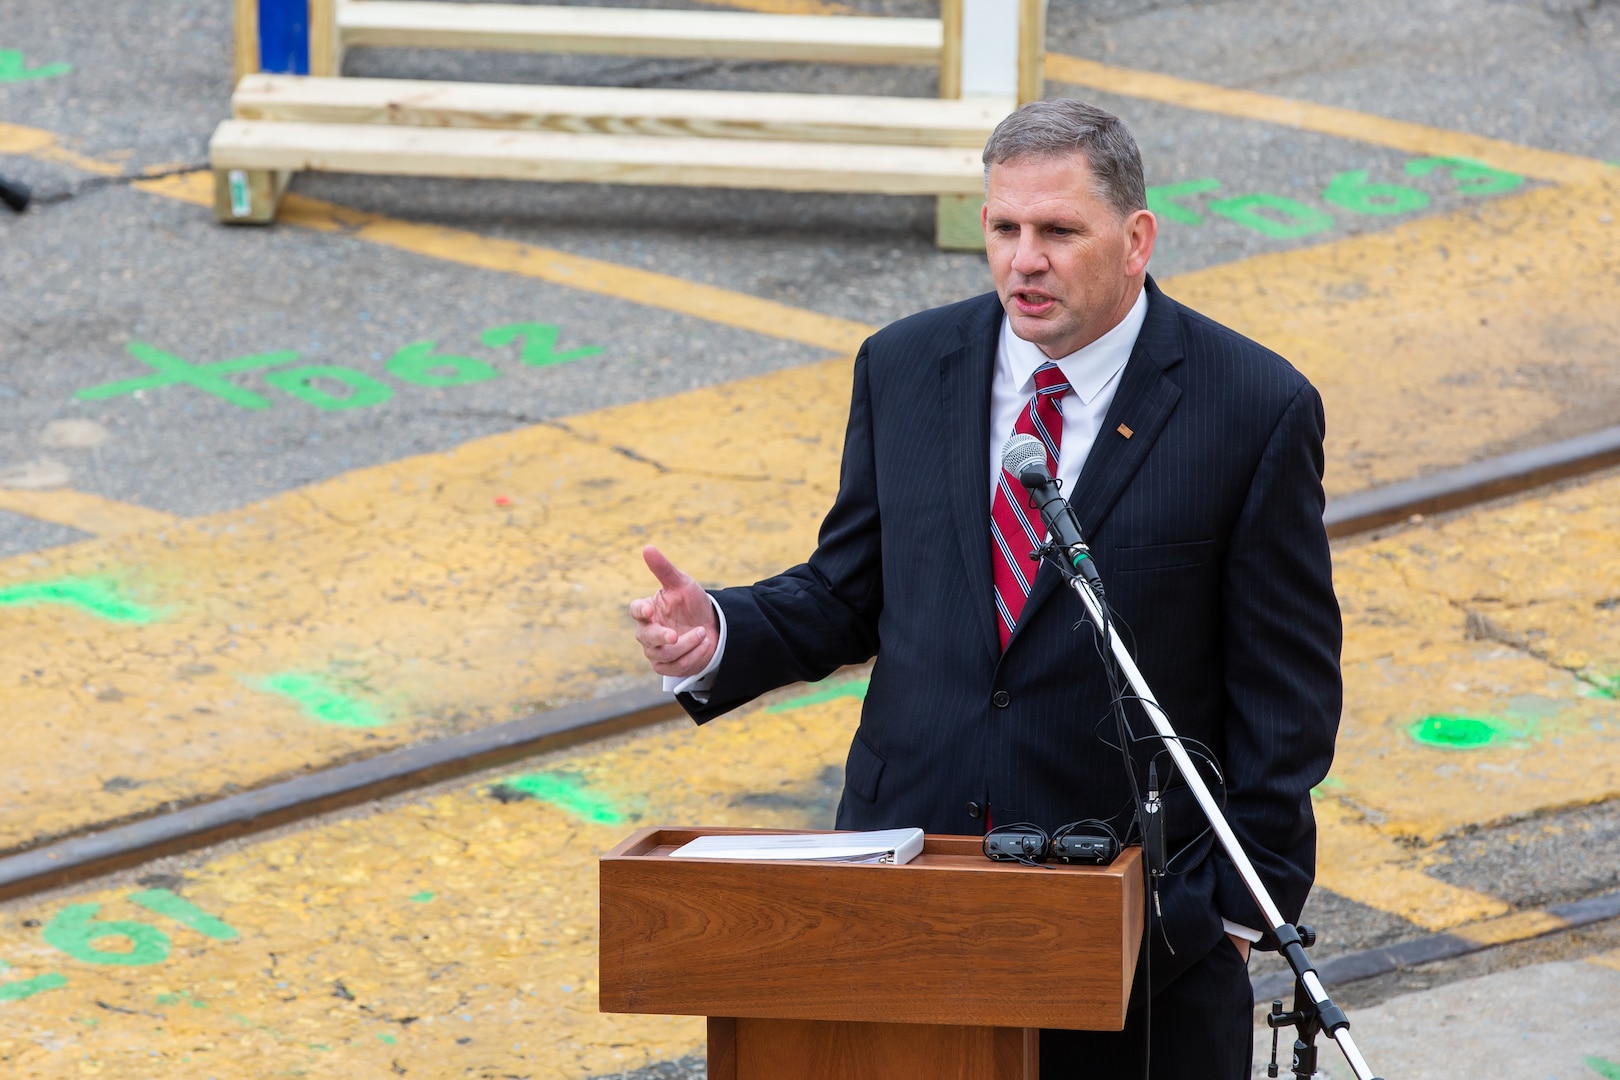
1093 375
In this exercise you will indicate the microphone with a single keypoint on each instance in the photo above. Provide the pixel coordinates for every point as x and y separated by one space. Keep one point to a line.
1025 457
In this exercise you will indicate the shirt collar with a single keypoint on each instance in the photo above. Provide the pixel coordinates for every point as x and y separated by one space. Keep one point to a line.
1088 369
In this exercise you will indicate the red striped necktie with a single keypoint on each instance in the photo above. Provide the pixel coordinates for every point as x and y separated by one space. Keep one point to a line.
1015 529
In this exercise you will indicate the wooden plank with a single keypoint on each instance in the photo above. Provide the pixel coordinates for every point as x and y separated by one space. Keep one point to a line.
724 35
603 159
621 111
949 938
325 40
246 37
1031 50
950 53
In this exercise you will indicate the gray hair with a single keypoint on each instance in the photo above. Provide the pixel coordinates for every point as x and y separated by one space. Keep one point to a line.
1062 127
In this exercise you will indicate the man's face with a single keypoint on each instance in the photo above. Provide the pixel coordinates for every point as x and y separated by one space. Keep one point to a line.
1067 266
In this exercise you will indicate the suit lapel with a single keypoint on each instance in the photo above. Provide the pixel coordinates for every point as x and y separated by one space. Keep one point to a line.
965 385
1143 403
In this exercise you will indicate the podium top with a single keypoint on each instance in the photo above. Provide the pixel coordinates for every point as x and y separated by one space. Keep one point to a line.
948 938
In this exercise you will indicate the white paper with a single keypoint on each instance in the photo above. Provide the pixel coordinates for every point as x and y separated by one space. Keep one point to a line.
890 845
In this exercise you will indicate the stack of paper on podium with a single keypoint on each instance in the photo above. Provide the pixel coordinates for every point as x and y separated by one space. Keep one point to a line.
896 846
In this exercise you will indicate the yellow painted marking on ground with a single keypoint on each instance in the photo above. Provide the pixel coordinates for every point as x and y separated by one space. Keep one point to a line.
405 589
474 917
1610 959
1516 927
44 145
1505 619
724 306
1356 861
83 511
1418 336
1419 139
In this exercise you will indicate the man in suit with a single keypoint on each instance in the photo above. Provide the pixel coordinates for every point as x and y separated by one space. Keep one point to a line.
1193 459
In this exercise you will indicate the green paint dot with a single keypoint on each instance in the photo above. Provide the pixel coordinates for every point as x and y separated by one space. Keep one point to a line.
95 596
1459 732
387 1039
566 794
321 701
1604 1068
850 688
422 897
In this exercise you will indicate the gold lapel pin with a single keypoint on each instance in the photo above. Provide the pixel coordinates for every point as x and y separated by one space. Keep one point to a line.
1125 431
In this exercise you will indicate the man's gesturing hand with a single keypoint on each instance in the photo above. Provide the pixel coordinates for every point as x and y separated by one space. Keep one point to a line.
677 626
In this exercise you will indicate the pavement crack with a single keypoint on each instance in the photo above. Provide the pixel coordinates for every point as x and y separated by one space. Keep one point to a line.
19 196
1477 626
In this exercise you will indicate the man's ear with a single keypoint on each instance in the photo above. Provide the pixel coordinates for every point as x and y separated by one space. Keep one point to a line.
1141 230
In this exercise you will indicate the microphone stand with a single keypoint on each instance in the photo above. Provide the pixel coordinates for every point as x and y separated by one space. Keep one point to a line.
1314 1011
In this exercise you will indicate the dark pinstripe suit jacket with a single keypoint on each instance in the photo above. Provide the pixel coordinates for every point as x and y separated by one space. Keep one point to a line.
1206 525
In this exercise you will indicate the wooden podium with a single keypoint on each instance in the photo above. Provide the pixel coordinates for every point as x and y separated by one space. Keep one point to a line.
942 969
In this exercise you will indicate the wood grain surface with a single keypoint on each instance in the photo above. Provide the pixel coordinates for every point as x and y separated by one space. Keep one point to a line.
611 110
727 35
604 159
950 938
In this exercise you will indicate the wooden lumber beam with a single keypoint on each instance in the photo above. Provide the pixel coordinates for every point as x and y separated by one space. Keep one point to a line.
325 39
621 111
603 159
719 35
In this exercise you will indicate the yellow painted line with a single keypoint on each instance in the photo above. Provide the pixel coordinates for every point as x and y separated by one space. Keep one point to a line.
83 511
724 306
44 145
1325 119
1356 861
453 935
1610 959
1509 928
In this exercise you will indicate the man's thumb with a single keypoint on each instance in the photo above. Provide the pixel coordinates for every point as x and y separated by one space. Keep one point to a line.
665 571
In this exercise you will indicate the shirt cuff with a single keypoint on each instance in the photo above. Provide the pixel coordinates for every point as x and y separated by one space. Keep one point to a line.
1252 936
700 684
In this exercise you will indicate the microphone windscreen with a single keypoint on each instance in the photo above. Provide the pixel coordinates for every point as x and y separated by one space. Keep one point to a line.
1022 452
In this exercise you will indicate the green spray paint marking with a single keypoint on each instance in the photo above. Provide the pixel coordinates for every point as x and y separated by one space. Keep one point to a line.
852 688
167 904
422 898
12 68
1461 732
75 931
566 794
1161 199
27 988
344 387
173 371
1604 1068
92 595
538 342
322 701
1605 689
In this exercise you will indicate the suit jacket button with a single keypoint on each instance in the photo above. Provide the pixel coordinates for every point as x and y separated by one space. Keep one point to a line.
974 809
1001 699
